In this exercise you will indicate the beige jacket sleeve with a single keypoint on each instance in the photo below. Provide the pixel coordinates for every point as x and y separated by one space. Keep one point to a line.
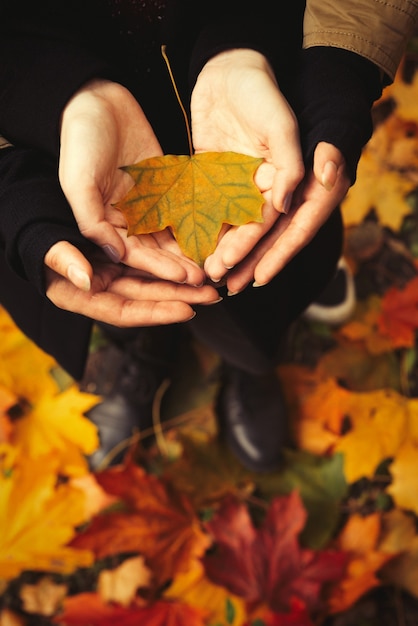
375 29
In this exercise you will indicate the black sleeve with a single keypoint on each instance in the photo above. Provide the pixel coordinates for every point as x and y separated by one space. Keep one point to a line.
332 95
48 50
250 25
34 213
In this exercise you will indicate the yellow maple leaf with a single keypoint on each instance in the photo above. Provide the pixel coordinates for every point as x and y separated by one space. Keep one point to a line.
194 196
38 518
378 188
405 94
404 471
379 423
57 424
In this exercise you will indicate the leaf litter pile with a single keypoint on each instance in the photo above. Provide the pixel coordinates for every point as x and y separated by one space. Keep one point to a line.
179 533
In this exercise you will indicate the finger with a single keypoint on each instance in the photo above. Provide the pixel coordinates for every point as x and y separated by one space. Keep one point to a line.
66 260
328 161
239 242
158 254
142 289
87 204
286 156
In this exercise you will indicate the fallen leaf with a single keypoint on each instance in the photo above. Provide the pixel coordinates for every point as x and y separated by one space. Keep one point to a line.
121 583
404 472
37 519
267 564
89 608
57 423
359 538
378 426
195 589
380 189
193 196
398 318
44 597
158 522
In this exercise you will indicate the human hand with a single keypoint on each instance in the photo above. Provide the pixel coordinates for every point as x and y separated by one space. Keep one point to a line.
116 293
318 195
236 105
103 128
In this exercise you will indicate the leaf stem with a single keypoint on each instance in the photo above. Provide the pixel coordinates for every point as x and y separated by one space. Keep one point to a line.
173 82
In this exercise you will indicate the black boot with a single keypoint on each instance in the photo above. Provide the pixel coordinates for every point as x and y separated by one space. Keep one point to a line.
252 418
127 372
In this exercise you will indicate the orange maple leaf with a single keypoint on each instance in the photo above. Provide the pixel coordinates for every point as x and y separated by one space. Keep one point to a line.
359 538
194 196
159 523
89 608
398 319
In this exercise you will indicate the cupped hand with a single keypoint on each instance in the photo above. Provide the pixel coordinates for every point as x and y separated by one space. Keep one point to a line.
103 128
237 106
115 293
318 195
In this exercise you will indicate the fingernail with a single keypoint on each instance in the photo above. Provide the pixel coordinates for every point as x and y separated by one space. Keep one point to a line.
229 267
286 203
214 280
233 293
190 318
112 253
329 175
212 302
78 277
256 284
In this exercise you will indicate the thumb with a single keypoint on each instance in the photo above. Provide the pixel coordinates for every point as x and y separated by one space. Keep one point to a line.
328 160
66 260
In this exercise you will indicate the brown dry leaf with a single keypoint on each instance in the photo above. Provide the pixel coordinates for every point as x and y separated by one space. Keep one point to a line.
359 538
121 583
45 597
193 196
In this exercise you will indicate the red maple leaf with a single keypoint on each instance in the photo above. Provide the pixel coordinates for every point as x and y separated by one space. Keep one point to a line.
267 565
398 319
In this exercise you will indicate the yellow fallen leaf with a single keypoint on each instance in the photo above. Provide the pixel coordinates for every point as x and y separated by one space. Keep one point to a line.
378 188
38 518
57 423
404 471
193 196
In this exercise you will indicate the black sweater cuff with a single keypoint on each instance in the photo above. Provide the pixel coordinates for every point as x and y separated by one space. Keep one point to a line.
34 213
332 96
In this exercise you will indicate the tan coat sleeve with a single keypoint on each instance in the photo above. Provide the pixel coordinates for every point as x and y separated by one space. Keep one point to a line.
374 29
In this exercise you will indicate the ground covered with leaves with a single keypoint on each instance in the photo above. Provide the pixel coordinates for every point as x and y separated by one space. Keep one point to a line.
181 533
